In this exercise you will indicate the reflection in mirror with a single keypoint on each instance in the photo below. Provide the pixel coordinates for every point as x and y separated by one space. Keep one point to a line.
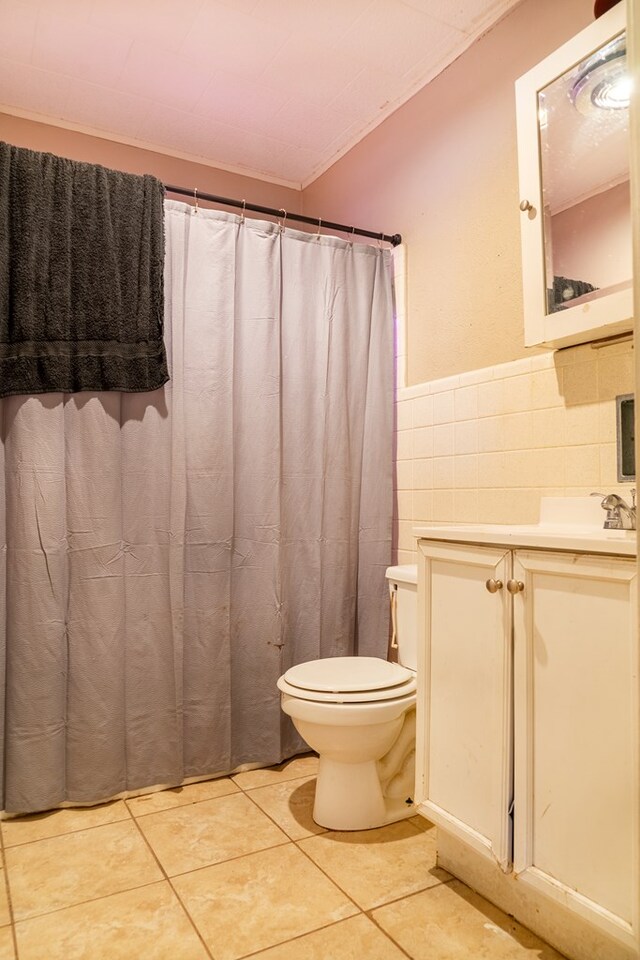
583 122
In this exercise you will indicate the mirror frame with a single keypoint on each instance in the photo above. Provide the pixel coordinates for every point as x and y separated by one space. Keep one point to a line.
605 316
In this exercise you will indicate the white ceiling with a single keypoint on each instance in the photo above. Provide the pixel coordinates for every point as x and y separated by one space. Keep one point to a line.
277 89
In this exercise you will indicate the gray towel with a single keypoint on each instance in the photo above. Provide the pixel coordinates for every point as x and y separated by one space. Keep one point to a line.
81 276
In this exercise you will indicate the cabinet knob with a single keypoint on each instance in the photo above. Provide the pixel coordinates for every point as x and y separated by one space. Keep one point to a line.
525 206
515 586
493 585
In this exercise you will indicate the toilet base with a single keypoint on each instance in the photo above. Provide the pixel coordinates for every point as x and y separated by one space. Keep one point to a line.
349 797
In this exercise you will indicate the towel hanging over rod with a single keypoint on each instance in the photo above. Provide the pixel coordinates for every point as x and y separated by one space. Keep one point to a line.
393 239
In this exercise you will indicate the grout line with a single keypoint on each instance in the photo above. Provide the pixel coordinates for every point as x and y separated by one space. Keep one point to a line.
369 915
167 878
80 903
66 833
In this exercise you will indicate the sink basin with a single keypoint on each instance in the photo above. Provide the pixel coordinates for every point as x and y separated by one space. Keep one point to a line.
566 523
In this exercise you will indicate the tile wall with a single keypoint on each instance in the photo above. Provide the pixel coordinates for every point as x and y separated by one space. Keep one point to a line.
485 446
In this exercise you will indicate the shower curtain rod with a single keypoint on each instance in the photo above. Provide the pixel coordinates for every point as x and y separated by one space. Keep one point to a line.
394 240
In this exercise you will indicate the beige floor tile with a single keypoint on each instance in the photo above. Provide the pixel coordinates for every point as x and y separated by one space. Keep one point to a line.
181 796
147 923
354 939
376 866
290 804
306 766
38 826
260 900
208 832
5 913
451 922
7 950
61 871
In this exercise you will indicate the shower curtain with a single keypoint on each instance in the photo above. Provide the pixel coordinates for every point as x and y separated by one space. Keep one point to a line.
166 556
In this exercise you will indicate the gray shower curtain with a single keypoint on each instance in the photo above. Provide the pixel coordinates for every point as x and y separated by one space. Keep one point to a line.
166 556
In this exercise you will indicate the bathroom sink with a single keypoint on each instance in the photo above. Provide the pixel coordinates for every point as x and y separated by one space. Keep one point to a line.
566 523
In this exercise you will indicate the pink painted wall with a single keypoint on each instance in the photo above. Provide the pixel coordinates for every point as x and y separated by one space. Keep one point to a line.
120 156
592 240
442 170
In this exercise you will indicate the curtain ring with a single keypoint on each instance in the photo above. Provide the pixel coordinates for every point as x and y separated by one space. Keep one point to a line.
281 223
244 207
380 239
319 227
195 197
351 235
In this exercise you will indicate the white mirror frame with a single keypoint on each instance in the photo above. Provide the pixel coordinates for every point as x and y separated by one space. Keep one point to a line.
608 315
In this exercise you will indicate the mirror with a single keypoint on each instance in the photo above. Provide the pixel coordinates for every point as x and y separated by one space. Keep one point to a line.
583 129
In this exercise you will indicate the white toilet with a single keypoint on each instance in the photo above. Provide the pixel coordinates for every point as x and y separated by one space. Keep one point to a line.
358 714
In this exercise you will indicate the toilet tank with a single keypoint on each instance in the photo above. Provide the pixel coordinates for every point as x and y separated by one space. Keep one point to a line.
403 592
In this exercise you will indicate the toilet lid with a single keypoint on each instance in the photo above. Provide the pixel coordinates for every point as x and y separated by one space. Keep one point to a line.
401 690
348 675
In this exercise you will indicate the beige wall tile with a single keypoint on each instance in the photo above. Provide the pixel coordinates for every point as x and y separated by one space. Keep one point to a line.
404 445
615 375
406 556
607 421
491 398
582 466
491 435
443 473
443 505
582 424
466 472
406 539
547 467
443 440
466 403
518 431
404 475
546 388
404 415
465 506
580 383
548 427
404 505
465 438
423 411
422 507
491 505
492 470
608 466
423 474
423 442
443 407
517 394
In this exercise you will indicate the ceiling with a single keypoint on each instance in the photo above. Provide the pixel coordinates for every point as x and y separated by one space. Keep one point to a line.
277 89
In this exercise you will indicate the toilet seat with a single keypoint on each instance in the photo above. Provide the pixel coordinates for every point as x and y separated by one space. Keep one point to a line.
348 680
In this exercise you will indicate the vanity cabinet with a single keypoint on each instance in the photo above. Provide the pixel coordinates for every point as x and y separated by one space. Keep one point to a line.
528 718
575 208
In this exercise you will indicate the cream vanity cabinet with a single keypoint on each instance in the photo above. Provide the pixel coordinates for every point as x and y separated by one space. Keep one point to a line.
575 208
528 720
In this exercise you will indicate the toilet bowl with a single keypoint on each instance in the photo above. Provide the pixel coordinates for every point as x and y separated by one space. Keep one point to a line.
358 714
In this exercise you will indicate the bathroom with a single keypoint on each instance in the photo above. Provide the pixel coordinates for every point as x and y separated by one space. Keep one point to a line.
485 427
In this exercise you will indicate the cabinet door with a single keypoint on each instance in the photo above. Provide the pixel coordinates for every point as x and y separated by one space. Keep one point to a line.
464 742
576 722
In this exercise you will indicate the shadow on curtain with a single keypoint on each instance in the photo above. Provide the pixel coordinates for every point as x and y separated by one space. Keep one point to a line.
166 556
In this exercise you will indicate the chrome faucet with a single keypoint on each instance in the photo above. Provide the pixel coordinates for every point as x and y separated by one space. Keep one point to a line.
620 516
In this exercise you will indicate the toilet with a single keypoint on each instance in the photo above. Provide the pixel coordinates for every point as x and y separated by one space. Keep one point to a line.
358 714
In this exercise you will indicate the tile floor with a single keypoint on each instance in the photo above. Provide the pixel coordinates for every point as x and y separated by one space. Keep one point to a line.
235 868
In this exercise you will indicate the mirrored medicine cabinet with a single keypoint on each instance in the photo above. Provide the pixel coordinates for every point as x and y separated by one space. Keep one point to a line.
573 158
